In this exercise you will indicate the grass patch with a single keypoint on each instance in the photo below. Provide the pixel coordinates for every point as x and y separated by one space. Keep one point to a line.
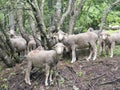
116 51
112 31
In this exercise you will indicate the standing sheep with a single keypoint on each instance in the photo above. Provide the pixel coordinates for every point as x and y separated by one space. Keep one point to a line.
43 58
19 44
31 44
102 45
111 40
82 40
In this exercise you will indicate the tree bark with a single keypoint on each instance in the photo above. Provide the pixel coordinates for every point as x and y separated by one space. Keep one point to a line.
40 21
60 18
12 24
33 27
75 12
65 14
20 23
42 7
58 14
106 12
20 18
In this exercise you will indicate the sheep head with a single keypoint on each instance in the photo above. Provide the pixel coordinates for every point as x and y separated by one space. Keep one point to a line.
61 35
59 48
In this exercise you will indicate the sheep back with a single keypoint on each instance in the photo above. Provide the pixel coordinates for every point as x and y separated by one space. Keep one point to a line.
43 57
81 40
18 43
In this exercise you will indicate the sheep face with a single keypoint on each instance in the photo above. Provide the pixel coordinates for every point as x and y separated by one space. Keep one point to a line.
12 32
104 36
59 47
61 35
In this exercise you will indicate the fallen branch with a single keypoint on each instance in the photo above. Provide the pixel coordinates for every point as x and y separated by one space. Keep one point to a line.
98 76
110 82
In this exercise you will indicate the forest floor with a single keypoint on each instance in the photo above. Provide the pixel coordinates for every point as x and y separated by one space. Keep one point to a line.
101 74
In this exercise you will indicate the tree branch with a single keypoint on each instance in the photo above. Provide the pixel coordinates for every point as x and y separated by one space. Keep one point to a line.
40 21
42 7
75 13
66 13
106 12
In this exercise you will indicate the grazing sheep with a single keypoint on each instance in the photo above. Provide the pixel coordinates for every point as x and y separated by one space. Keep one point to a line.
112 40
82 40
19 44
43 58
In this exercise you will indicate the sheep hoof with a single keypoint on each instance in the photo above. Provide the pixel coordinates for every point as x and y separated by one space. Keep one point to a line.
46 84
73 60
28 82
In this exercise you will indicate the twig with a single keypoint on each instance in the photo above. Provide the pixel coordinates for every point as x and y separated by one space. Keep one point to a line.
110 82
99 76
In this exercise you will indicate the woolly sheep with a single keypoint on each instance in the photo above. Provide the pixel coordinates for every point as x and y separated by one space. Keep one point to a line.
82 40
31 44
43 58
101 42
19 44
112 40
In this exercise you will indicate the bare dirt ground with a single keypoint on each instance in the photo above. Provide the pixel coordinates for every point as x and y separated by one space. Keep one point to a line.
102 74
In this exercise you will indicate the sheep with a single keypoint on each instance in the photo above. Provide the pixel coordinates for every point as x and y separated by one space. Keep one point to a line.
112 40
43 58
82 40
101 42
19 44
31 44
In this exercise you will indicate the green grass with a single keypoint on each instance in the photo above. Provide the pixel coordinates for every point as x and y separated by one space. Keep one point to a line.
112 31
117 51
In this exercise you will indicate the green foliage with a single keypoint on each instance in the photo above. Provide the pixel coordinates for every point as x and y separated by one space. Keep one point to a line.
80 73
61 81
4 86
91 14
112 31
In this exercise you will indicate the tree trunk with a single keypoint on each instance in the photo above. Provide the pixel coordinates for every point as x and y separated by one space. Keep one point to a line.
33 27
58 14
60 18
20 18
106 12
20 23
39 19
12 24
75 12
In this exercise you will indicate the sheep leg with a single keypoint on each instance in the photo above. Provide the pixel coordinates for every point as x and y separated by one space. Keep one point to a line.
34 47
73 55
111 49
28 48
100 50
100 47
47 74
90 55
27 76
94 51
51 80
107 49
